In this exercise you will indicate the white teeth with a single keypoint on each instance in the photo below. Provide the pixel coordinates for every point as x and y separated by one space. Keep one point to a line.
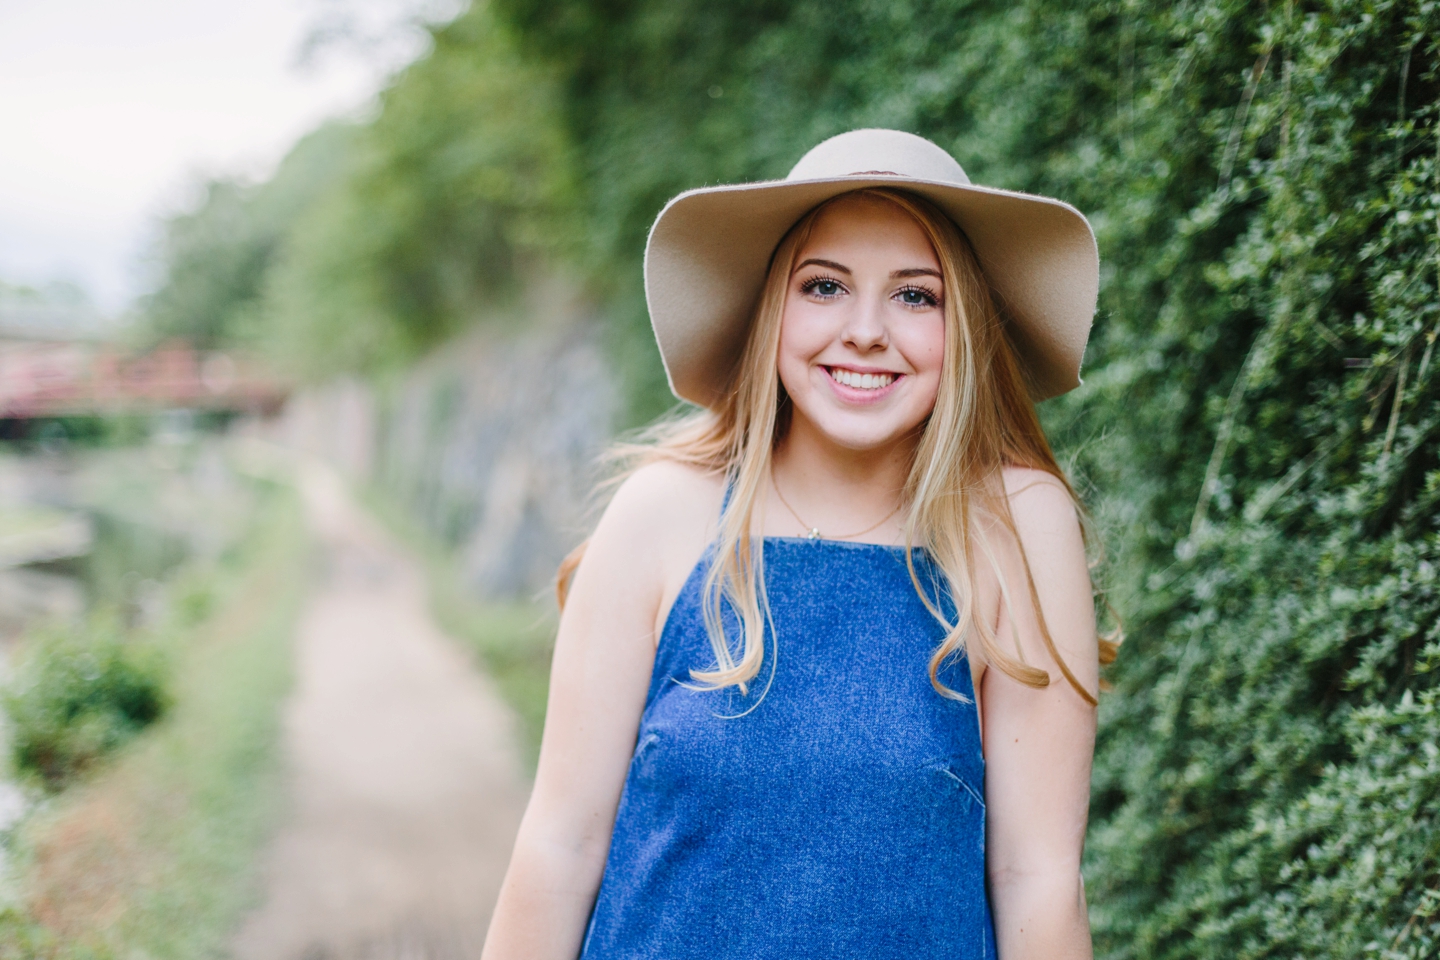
862 381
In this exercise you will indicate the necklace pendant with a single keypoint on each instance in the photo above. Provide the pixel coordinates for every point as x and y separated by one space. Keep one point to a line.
814 534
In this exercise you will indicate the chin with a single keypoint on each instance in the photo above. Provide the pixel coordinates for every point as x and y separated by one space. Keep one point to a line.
861 438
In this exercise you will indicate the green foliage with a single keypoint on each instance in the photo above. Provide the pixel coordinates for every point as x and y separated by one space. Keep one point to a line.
79 694
450 191
216 257
217 753
21 938
374 244
1262 404
77 432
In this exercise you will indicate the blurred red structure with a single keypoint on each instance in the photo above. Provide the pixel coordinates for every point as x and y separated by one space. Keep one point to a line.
55 378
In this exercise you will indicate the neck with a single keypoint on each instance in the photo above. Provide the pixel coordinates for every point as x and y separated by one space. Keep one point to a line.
838 490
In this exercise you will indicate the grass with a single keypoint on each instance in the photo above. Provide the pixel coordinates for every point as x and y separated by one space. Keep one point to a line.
153 855
513 639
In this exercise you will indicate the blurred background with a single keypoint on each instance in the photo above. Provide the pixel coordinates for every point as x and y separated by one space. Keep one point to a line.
315 314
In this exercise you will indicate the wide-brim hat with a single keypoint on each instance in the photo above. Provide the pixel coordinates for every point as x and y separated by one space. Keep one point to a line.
710 249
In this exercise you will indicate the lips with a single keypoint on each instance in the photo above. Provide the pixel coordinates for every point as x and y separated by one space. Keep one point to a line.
861 381
861 386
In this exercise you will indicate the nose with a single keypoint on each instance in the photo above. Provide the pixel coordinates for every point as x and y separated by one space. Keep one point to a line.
865 328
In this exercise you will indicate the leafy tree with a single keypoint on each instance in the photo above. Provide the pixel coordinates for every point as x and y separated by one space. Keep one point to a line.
216 257
452 197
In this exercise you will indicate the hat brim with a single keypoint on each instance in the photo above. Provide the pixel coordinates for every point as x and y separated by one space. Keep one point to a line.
709 251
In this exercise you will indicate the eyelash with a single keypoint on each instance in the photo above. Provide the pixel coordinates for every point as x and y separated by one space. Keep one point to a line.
809 286
931 300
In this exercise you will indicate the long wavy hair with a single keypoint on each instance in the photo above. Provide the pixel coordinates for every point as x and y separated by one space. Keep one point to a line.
983 421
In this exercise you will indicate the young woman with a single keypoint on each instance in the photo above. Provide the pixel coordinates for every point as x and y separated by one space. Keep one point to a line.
825 678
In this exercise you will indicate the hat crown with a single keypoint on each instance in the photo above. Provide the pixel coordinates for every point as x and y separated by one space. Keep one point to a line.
884 152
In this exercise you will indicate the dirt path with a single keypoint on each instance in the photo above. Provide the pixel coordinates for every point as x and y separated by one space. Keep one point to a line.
405 788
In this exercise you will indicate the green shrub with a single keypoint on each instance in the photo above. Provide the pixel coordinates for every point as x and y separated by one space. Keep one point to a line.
79 694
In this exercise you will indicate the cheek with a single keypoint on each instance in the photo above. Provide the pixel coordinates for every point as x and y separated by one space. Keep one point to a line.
803 334
923 346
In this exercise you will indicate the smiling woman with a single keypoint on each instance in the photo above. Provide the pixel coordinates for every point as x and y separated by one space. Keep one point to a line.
771 736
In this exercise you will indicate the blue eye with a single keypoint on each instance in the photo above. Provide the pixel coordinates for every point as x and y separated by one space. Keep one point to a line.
822 287
917 297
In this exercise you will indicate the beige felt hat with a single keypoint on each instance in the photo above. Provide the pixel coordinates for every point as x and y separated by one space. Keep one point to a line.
709 250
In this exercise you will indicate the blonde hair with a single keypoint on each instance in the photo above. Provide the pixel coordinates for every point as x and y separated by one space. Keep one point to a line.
983 421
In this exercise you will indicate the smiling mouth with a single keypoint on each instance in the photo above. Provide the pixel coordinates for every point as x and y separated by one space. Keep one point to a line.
861 381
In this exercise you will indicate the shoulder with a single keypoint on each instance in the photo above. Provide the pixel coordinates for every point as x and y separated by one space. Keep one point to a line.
661 517
1037 490
1040 504
665 495
1046 524
651 534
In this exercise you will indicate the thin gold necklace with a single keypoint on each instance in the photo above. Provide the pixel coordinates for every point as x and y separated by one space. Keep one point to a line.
814 532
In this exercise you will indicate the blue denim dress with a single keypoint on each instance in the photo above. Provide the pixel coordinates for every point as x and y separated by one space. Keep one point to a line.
840 816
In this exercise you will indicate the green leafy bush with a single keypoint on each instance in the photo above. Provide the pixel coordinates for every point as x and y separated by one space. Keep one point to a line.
77 695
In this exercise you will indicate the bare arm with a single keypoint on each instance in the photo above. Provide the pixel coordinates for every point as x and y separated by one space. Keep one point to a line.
1039 743
604 654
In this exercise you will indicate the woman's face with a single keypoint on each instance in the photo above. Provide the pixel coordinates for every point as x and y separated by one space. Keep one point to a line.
862 336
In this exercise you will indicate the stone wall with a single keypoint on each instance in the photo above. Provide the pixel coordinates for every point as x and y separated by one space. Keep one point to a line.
491 444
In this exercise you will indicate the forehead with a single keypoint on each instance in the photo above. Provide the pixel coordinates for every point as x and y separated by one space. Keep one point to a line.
866 228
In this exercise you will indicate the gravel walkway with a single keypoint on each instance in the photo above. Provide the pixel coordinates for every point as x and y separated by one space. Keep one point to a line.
405 784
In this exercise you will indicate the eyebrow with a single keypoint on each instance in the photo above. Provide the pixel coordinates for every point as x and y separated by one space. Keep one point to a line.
824 263
896 275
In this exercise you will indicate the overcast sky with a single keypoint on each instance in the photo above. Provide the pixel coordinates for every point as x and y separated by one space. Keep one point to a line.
111 109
